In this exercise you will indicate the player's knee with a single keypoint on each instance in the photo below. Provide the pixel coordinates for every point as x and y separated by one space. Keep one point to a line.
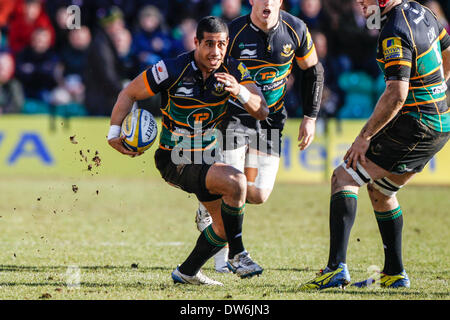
339 178
237 184
257 196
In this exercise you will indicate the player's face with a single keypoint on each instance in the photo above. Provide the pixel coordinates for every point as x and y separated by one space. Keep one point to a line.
266 11
211 50
365 4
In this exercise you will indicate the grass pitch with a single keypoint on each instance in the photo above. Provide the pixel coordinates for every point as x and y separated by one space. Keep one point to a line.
98 238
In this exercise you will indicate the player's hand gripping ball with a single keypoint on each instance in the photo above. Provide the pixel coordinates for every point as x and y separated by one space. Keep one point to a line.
140 130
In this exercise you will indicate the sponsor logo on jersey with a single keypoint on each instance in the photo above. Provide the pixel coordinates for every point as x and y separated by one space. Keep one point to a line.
245 74
309 41
242 45
392 48
184 92
248 54
199 118
160 72
266 75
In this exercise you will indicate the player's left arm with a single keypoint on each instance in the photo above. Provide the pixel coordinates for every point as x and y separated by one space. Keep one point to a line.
311 87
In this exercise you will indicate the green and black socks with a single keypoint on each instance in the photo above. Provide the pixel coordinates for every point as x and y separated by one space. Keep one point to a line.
233 219
208 244
390 224
343 206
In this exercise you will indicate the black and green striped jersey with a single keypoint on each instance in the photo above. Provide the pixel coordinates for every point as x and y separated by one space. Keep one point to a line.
269 56
190 105
410 49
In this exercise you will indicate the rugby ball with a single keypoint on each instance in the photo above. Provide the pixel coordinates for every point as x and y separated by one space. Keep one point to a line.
139 129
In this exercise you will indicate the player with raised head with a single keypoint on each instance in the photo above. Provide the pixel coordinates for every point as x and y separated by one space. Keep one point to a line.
195 88
268 40
409 125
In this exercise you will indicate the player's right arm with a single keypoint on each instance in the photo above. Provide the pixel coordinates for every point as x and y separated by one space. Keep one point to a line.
134 91
446 63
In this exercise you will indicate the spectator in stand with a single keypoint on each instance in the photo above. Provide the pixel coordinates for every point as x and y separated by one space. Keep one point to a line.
229 10
104 73
195 9
27 16
350 40
122 41
74 59
437 9
151 42
3 42
6 9
311 13
184 36
11 92
38 66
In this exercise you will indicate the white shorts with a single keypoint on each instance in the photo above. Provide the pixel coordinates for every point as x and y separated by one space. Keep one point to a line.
261 169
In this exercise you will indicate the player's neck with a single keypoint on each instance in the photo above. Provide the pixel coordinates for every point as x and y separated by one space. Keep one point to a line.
262 25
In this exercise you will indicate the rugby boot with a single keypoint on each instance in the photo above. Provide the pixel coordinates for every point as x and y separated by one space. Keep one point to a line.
400 280
328 278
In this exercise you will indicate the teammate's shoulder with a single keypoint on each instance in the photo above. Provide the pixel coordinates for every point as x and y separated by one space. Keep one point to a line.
293 21
238 23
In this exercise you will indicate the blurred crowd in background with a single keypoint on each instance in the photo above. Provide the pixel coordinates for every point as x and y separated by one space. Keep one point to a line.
48 67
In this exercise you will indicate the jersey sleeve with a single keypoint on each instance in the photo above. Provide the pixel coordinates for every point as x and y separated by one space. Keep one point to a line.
397 53
444 37
306 45
157 78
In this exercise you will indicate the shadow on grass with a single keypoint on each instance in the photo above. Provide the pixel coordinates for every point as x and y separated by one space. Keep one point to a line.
18 268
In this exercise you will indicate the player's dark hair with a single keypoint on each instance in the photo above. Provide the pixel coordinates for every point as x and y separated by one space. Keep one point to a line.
210 24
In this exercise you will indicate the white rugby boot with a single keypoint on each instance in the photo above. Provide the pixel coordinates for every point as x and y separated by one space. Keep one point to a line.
198 279
244 266
220 260
202 218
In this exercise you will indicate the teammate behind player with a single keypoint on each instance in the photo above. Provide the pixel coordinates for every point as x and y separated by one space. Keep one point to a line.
195 88
409 125
268 41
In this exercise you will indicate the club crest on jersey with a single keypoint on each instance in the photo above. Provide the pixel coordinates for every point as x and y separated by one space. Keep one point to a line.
219 89
392 48
199 118
287 50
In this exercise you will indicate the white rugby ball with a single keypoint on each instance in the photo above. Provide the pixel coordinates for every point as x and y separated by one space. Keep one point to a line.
140 129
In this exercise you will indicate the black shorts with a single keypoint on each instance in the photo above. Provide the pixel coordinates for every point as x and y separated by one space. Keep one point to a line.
263 135
188 177
405 145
